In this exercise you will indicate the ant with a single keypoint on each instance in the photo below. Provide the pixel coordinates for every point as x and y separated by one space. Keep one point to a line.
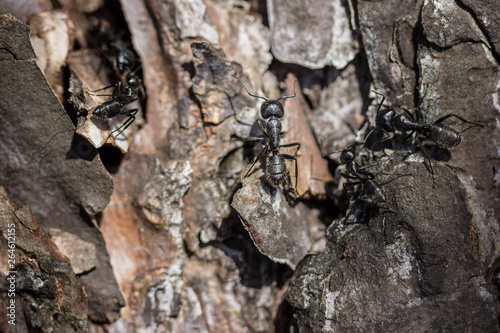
273 111
121 96
108 46
368 195
444 136
114 107
370 189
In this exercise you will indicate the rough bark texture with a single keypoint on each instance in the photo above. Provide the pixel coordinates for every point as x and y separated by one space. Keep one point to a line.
171 227
48 296
400 272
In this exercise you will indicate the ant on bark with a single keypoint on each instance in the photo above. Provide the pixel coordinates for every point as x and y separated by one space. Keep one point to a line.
368 194
444 136
273 111
114 107
115 48
121 96
370 190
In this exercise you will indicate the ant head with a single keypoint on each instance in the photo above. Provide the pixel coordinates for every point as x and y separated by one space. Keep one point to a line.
347 155
272 107
384 118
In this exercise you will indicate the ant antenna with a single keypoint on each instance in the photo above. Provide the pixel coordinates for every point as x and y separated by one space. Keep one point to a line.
264 98
382 102
474 125
330 153
289 96
355 144
251 94
378 110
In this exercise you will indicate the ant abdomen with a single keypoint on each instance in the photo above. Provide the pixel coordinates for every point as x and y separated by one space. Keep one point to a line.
444 136
107 109
275 169
372 193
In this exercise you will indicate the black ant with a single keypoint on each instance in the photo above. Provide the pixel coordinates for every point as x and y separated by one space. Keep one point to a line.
370 189
121 96
444 136
273 111
109 46
368 195
114 107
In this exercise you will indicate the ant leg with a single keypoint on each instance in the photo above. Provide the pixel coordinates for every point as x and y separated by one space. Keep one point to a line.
380 140
262 127
254 138
428 158
362 169
346 176
390 181
116 91
383 130
382 102
290 157
420 116
137 68
406 138
292 145
330 153
107 87
339 151
350 192
256 159
443 118
131 117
